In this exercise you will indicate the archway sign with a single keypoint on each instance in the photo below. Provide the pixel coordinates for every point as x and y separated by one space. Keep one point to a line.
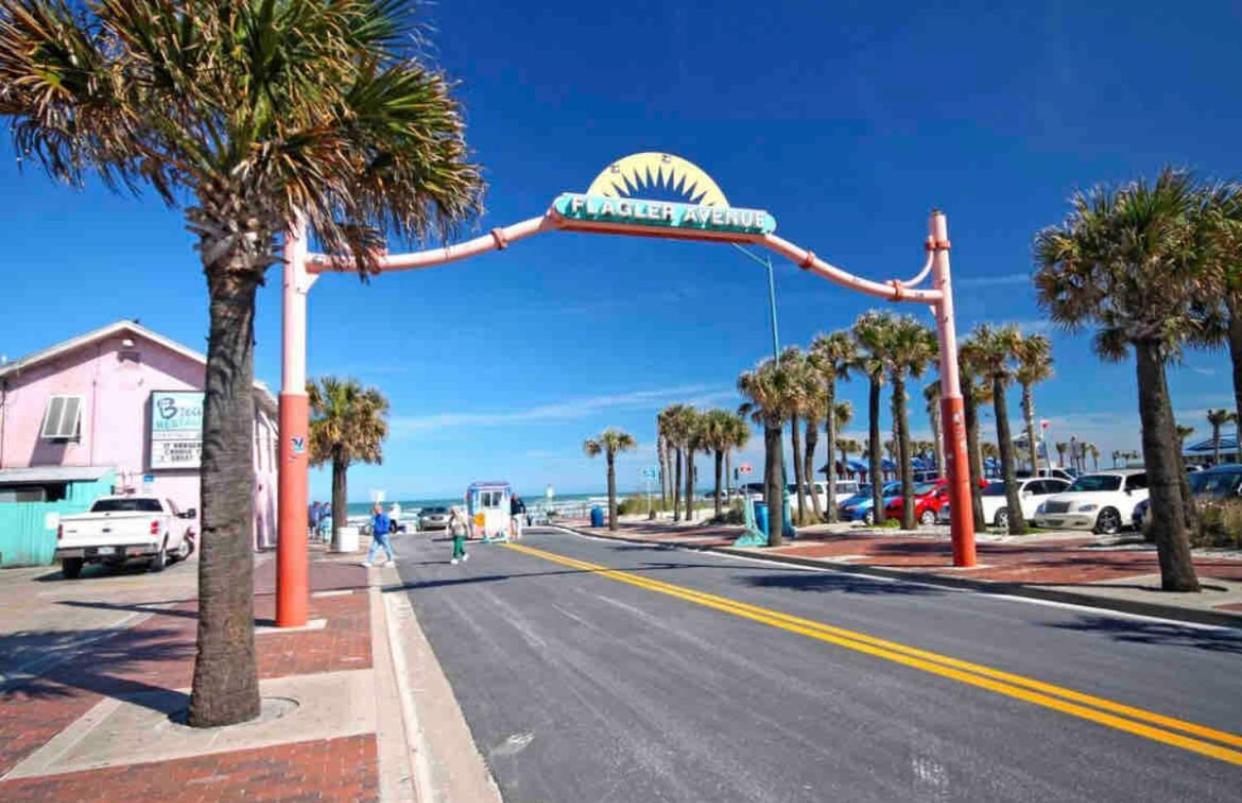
612 204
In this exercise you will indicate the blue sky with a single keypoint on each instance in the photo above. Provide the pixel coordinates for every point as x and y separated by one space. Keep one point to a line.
846 121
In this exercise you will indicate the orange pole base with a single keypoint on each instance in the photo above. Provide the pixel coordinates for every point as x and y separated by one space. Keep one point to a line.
292 566
962 520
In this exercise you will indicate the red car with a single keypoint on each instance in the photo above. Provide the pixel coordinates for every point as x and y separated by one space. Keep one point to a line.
929 497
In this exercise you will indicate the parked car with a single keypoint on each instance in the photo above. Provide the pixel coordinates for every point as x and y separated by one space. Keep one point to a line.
926 476
118 529
1055 472
844 490
929 497
859 506
433 518
1103 502
1222 482
945 513
1032 492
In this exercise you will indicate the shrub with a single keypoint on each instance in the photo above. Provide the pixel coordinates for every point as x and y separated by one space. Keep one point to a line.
1220 524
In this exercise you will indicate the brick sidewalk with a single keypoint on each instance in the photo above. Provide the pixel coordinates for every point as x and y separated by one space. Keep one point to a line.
145 671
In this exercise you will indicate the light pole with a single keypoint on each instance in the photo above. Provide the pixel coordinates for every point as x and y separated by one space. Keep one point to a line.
767 262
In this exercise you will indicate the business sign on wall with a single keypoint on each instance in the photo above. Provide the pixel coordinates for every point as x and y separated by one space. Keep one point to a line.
176 429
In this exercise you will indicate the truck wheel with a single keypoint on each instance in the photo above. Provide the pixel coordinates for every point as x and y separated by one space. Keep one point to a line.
71 568
186 549
160 560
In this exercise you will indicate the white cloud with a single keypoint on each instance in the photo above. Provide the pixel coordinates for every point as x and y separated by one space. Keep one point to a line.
567 410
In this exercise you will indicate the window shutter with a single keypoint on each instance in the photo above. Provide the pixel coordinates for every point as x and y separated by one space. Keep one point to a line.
63 417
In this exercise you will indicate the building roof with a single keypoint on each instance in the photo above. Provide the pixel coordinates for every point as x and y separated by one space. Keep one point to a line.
73 343
13 476
1228 443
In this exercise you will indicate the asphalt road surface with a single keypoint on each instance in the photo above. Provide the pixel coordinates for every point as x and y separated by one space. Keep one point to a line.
685 676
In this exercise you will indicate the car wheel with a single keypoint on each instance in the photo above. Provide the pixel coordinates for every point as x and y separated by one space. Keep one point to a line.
869 518
1002 517
928 518
186 549
160 560
1108 522
71 568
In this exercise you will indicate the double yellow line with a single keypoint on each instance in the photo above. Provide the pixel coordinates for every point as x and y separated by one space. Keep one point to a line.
1140 722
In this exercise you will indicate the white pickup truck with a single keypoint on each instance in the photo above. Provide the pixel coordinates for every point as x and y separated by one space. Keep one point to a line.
119 528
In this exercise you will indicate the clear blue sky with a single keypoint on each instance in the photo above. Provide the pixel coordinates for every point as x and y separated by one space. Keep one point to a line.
847 122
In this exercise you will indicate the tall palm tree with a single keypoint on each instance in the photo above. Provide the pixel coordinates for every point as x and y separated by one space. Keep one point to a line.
674 424
768 389
832 355
1223 221
1184 432
804 394
1217 419
348 424
931 394
662 461
871 334
739 436
692 439
1034 355
718 435
993 350
1095 456
911 347
253 113
610 443
1130 261
812 415
975 391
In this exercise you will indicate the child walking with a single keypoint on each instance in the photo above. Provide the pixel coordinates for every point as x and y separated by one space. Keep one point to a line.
457 529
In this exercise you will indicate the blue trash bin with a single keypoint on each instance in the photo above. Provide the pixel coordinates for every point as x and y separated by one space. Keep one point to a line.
597 516
761 517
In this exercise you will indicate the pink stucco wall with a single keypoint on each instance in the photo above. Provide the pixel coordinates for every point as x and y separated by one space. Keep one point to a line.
115 383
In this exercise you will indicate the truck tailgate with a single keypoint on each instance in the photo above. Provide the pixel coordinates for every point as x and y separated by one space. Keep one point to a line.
107 529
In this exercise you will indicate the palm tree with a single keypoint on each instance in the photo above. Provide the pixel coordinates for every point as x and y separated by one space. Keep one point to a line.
833 355
692 439
1224 225
847 447
347 425
1184 432
1062 446
674 424
739 436
931 394
911 347
254 114
1130 261
718 436
1095 456
803 399
871 333
768 389
662 461
811 414
975 392
1034 355
1218 419
610 443
993 350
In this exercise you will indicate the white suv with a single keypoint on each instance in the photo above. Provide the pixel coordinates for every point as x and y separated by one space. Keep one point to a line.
1102 502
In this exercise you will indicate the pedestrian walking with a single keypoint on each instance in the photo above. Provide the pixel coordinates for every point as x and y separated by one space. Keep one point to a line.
312 519
380 525
457 528
517 516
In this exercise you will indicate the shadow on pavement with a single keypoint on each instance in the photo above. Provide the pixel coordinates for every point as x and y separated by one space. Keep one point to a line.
1161 634
837 583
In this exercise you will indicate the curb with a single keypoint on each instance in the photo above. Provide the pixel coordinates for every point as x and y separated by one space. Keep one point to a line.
1152 609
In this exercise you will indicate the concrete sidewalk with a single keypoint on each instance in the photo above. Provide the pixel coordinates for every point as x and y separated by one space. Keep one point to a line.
95 676
1108 572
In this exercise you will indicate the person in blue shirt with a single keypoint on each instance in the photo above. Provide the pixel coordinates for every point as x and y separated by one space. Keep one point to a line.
381 526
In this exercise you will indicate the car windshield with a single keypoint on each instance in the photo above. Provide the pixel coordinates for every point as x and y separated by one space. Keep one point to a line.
1216 484
863 490
1095 482
924 488
435 511
126 506
892 488
994 489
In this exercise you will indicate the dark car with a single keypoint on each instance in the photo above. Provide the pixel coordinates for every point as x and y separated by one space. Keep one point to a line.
433 518
1222 482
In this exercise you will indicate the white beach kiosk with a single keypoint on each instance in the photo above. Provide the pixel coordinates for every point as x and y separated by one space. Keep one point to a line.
487 508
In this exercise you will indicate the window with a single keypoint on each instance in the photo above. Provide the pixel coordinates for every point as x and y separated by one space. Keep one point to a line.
63 418
1095 483
22 493
1136 482
136 504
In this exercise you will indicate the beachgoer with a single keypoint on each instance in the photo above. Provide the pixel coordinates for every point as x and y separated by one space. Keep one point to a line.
517 515
380 523
457 528
312 518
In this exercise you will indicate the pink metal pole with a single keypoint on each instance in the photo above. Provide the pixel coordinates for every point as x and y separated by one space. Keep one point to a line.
292 569
962 522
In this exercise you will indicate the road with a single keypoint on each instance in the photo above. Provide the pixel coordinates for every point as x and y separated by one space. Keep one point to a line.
601 671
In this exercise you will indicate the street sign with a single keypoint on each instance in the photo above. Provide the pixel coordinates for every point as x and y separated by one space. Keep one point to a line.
745 468
651 473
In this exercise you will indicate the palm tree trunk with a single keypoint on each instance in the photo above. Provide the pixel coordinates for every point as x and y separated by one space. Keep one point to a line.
808 467
1234 336
1013 499
729 469
689 500
974 459
774 492
796 445
830 432
677 484
225 688
612 490
1216 444
877 478
719 475
903 453
1028 411
1160 456
340 495
662 458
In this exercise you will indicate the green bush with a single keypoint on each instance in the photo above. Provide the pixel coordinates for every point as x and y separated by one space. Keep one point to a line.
1220 524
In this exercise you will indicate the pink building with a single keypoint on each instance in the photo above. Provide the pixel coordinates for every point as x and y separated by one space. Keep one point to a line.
117 410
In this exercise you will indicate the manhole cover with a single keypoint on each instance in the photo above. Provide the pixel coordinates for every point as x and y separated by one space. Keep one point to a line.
271 708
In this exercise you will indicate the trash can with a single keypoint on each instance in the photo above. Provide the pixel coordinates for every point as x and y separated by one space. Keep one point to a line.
597 516
761 517
347 539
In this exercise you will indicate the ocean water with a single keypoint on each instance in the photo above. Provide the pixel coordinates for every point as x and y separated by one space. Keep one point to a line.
364 508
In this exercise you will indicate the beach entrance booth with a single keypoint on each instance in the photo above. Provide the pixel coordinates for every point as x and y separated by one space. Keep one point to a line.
612 205
487 508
